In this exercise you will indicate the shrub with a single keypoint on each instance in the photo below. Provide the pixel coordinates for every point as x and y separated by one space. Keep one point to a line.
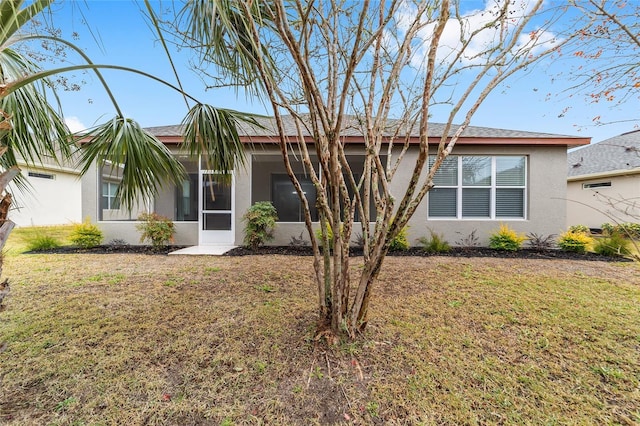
628 229
506 239
434 244
541 241
400 241
612 245
631 229
156 228
86 235
607 228
580 229
260 219
329 235
42 242
574 241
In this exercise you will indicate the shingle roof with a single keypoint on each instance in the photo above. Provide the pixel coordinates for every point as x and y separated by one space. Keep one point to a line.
351 128
620 152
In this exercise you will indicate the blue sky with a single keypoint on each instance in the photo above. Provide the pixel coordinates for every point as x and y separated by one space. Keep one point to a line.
120 36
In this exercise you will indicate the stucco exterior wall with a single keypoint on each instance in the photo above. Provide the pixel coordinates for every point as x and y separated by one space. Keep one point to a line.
545 209
590 206
53 199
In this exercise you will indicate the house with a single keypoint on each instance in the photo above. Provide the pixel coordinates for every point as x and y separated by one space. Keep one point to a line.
493 176
51 196
599 177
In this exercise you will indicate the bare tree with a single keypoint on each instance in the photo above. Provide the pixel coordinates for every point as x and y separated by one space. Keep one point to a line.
380 69
608 44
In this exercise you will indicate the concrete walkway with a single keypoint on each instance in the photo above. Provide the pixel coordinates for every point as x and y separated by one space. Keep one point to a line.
212 250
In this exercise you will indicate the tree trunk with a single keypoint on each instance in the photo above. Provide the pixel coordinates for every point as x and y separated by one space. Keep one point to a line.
5 224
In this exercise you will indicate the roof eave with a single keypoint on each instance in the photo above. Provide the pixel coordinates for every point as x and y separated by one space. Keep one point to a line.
599 175
560 141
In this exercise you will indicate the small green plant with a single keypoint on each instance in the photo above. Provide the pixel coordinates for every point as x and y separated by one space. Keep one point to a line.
156 228
580 229
435 243
42 242
260 219
372 408
612 245
86 235
400 241
574 241
506 239
265 288
62 405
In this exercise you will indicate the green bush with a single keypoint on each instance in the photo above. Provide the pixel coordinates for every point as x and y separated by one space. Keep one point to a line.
574 241
612 245
42 242
434 244
628 229
329 235
579 229
506 239
400 241
86 235
260 219
156 228
607 228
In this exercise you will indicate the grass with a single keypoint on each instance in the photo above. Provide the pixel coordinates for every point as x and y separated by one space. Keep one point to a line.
140 339
21 238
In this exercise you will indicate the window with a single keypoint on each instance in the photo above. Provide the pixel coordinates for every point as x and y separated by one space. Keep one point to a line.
481 187
109 200
186 199
270 182
596 185
286 201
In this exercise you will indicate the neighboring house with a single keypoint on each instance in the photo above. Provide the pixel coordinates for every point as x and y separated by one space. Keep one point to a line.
52 195
494 176
599 176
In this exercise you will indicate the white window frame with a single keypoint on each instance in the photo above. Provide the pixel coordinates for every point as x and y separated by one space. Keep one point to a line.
493 187
110 196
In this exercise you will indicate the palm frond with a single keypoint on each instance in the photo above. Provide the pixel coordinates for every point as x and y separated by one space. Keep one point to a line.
224 35
213 134
12 18
35 128
146 163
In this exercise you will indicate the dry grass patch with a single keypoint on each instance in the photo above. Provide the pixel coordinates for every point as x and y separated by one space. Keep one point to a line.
139 339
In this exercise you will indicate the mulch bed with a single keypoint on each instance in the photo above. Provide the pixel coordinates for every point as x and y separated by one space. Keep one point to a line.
454 252
526 253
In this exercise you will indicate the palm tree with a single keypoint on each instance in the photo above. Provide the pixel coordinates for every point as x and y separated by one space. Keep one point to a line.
31 126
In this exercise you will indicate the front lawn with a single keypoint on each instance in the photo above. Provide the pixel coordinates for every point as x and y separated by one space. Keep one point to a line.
149 339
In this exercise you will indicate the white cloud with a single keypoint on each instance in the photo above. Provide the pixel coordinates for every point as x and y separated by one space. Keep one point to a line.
74 124
473 20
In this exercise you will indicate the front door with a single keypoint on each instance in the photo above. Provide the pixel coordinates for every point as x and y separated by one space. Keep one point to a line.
216 209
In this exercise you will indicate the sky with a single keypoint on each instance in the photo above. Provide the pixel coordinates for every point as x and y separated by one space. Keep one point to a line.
120 36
